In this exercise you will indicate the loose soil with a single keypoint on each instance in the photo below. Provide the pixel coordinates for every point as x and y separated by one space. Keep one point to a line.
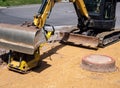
61 68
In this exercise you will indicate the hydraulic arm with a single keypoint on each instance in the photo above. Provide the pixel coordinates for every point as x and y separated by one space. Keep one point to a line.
46 8
43 13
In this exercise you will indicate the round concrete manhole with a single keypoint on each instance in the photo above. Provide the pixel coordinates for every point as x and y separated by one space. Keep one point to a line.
99 63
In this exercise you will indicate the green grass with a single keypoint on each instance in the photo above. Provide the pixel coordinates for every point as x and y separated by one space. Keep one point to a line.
18 2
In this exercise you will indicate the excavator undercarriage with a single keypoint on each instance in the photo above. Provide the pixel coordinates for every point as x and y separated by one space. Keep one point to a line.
97 30
90 39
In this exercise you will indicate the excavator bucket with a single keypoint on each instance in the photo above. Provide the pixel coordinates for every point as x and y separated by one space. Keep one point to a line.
20 38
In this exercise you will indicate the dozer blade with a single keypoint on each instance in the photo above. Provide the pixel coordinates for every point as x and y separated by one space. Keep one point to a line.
20 38
80 40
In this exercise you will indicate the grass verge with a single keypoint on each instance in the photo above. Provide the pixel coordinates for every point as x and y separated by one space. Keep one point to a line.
18 2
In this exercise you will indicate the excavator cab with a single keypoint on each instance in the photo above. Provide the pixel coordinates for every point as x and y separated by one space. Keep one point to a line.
102 13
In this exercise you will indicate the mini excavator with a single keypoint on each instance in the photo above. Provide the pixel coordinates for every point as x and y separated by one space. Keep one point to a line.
96 22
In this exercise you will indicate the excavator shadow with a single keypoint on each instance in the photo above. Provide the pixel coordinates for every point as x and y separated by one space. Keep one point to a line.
4 58
43 64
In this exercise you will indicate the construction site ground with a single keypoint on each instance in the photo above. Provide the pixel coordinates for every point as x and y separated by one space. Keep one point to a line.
61 64
61 68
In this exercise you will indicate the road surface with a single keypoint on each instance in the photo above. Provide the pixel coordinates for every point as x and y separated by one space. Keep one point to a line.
62 14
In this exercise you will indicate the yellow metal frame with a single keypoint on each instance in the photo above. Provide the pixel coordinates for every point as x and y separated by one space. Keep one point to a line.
23 66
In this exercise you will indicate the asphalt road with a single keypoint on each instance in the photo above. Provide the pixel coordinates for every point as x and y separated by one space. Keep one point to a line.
62 14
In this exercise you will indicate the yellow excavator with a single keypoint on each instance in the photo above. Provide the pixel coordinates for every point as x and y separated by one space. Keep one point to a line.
96 21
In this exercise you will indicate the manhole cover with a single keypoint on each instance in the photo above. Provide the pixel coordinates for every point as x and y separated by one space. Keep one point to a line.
99 63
